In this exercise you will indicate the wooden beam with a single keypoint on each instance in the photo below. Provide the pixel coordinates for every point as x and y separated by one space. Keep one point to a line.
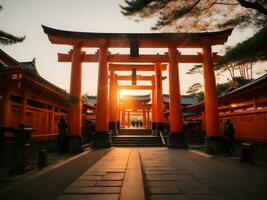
138 67
135 87
123 58
138 77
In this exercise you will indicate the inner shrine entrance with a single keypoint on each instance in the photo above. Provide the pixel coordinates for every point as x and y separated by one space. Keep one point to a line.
135 41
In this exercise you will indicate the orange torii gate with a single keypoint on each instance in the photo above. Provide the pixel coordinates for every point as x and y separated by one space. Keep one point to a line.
156 88
134 41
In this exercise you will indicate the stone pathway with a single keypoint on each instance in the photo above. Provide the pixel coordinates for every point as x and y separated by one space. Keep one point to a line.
183 175
116 176
162 173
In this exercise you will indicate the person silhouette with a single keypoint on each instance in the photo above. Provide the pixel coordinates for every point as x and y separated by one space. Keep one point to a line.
62 135
229 134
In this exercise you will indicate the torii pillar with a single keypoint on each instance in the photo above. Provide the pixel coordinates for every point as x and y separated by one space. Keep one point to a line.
176 137
153 109
101 138
117 91
128 120
148 117
214 143
144 118
75 107
159 97
112 104
123 122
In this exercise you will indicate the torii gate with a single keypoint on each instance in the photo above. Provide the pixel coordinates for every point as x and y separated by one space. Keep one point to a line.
156 88
171 41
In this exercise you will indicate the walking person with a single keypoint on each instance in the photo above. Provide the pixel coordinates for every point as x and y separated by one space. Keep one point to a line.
229 134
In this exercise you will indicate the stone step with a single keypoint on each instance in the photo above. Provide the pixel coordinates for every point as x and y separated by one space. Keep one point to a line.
135 132
136 141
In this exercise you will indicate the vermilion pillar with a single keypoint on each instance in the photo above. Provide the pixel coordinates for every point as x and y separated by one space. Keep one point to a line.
153 96
144 117
214 142
118 105
176 137
75 106
148 118
123 118
102 137
112 103
128 120
159 97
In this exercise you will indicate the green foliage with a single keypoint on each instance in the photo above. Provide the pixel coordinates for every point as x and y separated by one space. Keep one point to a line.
222 88
72 99
7 38
198 15
196 89
242 81
251 50
134 6
195 70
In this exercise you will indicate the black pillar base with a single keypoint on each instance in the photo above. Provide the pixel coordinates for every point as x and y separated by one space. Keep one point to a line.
153 125
215 145
75 144
160 126
113 128
101 140
177 140
118 125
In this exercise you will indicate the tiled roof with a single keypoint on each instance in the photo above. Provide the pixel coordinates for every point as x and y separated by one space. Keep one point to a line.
28 67
91 100
185 99
245 87
136 97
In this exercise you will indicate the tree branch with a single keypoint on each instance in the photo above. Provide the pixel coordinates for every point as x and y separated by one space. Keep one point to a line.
253 5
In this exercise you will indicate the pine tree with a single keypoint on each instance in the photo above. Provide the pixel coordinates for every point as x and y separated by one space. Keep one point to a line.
198 15
7 38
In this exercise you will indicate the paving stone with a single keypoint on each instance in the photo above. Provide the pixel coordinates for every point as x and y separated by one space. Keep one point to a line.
187 197
148 172
186 183
196 190
113 176
164 190
90 178
93 190
168 177
89 197
95 173
83 183
108 183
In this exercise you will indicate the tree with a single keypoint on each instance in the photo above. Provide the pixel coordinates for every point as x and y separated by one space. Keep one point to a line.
198 15
7 38
245 53
196 89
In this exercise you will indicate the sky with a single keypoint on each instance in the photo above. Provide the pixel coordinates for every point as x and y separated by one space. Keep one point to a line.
24 18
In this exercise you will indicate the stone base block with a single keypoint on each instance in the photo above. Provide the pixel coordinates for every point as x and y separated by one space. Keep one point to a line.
118 125
154 125
160 126
75 144
215 145
113 128
101 140
177 140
